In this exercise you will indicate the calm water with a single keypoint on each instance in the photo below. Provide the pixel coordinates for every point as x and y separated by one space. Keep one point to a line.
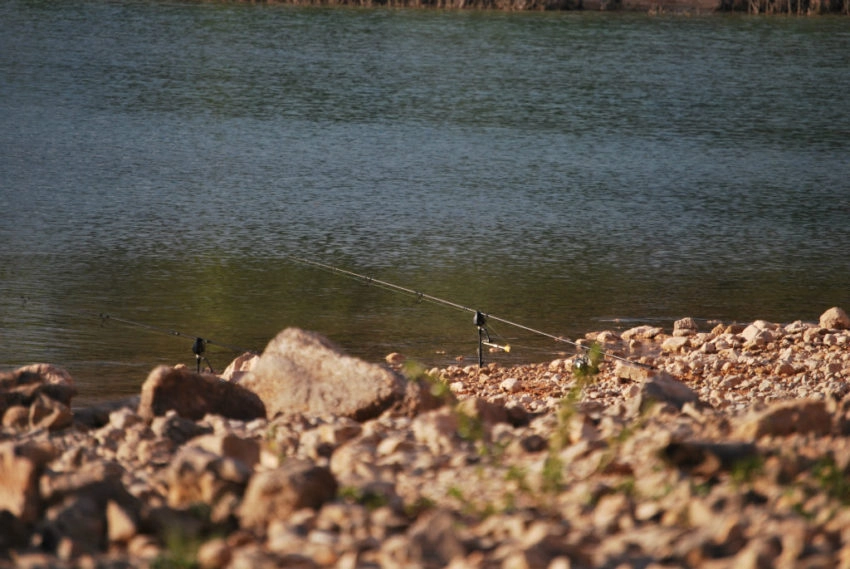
160 161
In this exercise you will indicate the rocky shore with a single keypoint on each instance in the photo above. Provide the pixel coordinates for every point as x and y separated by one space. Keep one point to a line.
721 447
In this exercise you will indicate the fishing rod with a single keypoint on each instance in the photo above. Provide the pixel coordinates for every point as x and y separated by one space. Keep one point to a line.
479 318
199 344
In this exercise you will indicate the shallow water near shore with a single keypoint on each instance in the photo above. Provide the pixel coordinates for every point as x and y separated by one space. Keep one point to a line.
570 172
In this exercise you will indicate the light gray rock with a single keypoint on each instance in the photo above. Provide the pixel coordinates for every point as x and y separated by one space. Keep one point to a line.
641 333
303 372
685 327
665 389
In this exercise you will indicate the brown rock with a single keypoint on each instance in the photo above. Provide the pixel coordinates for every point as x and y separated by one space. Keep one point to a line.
481 410
20 467
16 417
44 385
437 429
176 429
434 540
196 475
806 416
835 319
275 494
229 445
707 458
46 413
194 395
303 372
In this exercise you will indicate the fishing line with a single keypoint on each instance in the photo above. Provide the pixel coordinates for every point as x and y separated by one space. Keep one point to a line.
479 319
199 343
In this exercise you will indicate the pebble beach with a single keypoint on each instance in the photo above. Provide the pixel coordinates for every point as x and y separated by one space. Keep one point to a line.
674 448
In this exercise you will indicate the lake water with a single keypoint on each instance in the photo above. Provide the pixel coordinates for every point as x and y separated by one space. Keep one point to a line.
161 162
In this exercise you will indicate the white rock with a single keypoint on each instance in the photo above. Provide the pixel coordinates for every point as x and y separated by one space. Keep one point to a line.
511 385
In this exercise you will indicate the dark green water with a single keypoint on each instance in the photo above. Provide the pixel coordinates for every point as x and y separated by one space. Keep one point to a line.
160 161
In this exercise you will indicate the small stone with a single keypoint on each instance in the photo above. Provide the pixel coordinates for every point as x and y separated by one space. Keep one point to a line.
675 343
120 523
685 327
511 385
395 359
214 554
641 333
239 367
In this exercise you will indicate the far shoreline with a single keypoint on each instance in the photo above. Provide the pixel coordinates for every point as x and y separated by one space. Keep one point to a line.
654 7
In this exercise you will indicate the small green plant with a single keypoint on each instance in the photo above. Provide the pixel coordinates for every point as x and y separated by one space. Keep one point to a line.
553 473
470 428
367 498
455 493
517 474
421 504
746 469
415 371
627 486
181 551
831 479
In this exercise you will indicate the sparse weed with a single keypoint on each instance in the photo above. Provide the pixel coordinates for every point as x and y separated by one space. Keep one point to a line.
746 469
831 479
181 551
370 500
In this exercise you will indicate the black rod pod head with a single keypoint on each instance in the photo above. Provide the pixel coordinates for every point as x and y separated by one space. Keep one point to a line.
479 319
199 347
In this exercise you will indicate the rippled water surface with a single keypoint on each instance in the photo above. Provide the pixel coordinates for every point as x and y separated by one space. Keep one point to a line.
160 162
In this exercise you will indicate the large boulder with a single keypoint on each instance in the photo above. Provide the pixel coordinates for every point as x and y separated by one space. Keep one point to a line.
303 372
193 395
835 319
